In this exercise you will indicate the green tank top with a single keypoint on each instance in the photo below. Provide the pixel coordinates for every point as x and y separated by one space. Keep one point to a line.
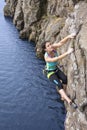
51 65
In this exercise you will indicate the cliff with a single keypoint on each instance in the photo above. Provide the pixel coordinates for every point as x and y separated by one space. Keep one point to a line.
40 20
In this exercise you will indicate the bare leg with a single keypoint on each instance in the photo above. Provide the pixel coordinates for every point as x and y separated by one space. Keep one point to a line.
59 93
64 96
64 87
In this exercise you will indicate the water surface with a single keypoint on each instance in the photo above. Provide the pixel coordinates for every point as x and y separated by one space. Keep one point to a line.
28 101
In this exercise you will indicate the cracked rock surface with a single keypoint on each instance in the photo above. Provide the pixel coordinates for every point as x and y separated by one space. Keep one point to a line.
40 20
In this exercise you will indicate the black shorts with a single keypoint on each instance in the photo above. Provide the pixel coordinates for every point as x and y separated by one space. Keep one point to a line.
57 77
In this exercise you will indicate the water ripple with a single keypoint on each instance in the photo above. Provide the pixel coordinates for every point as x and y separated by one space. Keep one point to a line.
28 100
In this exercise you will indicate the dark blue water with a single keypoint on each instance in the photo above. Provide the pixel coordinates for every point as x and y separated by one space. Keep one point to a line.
28 101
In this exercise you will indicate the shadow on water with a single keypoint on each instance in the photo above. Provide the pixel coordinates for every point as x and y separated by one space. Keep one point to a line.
28 100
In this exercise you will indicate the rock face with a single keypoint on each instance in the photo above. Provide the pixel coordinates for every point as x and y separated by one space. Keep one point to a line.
40 20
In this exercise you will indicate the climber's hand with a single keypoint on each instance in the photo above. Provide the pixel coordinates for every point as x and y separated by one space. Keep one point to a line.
70 50
72 35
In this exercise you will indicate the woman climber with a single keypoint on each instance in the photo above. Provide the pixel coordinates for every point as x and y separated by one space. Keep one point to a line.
53 72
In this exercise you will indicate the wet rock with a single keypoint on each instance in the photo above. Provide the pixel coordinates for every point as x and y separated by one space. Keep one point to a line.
9 8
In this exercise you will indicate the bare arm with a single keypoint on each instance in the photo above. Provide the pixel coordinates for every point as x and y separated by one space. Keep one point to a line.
54 59
63 41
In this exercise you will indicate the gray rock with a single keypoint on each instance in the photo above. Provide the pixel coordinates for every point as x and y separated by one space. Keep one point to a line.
40 20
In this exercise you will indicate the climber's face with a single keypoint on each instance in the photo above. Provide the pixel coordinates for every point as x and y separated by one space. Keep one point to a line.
49 47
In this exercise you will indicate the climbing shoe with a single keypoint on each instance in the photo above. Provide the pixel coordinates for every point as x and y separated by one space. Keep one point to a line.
74 105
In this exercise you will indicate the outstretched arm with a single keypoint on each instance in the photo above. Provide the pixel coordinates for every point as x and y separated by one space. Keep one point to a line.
54 59
63 41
